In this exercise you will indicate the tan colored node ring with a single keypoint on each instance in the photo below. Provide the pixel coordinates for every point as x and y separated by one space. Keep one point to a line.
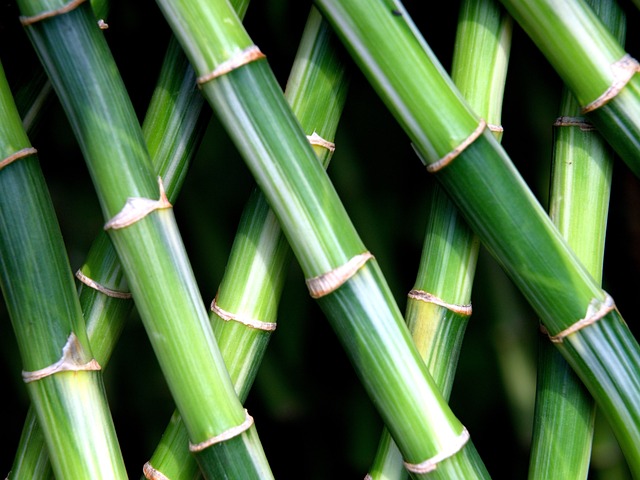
25 152
136 208
224 436
453 154
249 322
430 298
248 55
595 312
28 20
151 473
431 464
581 122
315 139
328 282
623 71
69 362
101 288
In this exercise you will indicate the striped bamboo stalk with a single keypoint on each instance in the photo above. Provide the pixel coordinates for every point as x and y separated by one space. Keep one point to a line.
61 374
340 272
144 233
579 200
498 205
439 305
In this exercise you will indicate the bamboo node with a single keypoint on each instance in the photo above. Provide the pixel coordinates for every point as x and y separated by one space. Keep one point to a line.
451 156
28 20
595 311
581 122
423 296
109 292
249 322
623 71
330 281
151 473
25 152
495 128
431 464
69 362
248 55
136 208
315 139
224 436
102 25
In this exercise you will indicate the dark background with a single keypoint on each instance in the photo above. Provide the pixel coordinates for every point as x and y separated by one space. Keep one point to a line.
314 419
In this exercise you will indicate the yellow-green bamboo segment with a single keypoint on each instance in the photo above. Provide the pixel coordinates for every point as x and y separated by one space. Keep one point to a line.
140 223
60 373
340 272
456 145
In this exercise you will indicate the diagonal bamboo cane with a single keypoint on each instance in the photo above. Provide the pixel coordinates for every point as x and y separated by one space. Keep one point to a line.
592 63
172 128
244 311
439 305
59 369
143 230
340 272
579 200
498 205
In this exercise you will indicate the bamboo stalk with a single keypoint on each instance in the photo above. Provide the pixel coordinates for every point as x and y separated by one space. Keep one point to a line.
172 128
439 305
244 311
149 246
593 64
579 200
341 274
478 174
59 370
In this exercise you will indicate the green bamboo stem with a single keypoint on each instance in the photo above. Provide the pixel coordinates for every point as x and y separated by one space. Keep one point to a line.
439 305
246 303
362 310
586 54
579 200
172 128
497 204
58 365
85 78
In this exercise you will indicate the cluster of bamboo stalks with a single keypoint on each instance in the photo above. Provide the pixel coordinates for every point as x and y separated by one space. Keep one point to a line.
209 351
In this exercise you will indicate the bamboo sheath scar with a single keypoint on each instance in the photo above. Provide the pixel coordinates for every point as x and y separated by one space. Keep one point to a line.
317 140
249 322
330 281
453 154
69 362
595 312
151 473
109 292
25 152
427 297
28 20
136 208
248 55
581 122
224 436
431 464
623 71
